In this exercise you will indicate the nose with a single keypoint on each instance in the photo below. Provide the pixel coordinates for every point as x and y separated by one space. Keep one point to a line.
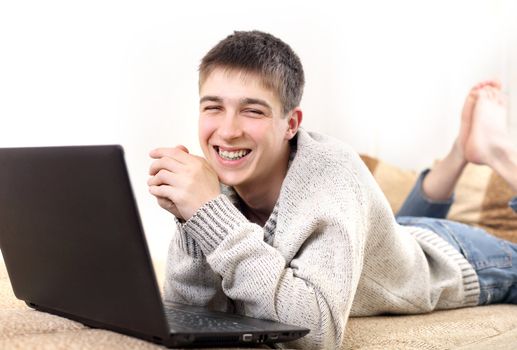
230 127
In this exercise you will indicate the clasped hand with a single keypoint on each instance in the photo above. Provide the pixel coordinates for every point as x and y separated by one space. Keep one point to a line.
181 182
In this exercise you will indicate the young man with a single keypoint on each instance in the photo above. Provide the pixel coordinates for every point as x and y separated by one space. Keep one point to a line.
279 223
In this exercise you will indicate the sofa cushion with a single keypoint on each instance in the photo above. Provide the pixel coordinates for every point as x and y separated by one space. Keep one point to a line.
481 196
484 327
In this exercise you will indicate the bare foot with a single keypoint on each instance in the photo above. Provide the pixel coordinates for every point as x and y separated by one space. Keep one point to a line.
483 105
488 135
467 113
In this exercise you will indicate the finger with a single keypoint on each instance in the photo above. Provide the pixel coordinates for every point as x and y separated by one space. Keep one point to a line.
168 152
169 206
165 163
183 148
162 191
163 177
165 203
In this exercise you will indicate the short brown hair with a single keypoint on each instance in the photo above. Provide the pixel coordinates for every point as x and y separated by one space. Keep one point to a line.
263 54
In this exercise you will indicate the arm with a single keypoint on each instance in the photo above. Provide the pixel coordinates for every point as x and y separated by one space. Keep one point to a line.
188 277
315 289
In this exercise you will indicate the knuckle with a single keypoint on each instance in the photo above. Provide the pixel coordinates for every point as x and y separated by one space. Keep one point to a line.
172 152
156 166
162 174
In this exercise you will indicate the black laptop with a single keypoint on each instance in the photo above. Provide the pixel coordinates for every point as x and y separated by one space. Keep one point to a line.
74 246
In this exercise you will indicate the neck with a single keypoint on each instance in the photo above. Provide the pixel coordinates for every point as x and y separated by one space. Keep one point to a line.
260 198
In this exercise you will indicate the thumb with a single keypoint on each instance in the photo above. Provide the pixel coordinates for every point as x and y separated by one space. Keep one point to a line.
183 148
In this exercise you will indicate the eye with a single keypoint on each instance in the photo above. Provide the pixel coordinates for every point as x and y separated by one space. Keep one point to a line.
254 112
211 108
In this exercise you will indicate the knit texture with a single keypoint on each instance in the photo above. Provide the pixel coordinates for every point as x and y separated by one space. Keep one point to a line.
331 249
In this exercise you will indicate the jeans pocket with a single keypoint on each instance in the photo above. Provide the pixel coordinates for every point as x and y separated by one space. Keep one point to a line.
481 249
501 258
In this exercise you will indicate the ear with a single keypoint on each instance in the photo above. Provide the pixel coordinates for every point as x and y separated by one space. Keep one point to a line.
293 123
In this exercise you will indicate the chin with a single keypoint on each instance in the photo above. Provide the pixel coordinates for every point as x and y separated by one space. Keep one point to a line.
230 180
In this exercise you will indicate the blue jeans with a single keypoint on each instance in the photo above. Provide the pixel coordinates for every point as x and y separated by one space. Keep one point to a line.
494 259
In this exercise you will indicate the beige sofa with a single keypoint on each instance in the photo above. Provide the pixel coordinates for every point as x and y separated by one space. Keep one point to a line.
489 327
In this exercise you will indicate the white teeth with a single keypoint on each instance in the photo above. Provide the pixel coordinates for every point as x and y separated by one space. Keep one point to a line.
232 155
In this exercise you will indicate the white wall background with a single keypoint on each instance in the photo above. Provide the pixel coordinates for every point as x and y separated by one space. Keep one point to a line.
389 77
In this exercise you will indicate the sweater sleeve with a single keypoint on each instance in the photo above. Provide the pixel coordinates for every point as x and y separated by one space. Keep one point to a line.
315 289
188 277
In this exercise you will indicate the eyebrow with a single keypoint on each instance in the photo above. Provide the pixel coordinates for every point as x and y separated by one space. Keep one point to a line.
210 98
242 101
255 101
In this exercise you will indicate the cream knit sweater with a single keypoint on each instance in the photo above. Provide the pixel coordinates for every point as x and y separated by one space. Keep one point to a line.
331 249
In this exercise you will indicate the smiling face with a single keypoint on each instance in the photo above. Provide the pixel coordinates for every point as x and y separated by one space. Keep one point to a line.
242 130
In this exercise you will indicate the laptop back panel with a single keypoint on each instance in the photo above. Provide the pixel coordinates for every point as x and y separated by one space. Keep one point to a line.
45 193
